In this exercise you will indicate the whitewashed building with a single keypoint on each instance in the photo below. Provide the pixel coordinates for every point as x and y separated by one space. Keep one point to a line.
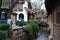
19 12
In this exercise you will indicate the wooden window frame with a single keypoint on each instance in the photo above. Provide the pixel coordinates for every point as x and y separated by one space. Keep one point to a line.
55 16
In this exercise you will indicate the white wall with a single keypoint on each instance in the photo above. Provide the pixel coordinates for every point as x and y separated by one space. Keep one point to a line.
24 12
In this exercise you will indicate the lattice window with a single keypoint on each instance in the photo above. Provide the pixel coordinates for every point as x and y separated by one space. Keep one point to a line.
58 15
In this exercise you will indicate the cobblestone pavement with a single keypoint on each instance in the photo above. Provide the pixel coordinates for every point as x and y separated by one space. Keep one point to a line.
42 37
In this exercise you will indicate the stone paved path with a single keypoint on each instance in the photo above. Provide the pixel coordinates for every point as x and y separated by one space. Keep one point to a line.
42 36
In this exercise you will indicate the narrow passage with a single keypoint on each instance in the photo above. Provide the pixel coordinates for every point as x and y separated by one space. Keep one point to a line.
42 36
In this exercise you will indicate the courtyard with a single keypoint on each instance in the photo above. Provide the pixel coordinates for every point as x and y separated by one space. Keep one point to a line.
28 20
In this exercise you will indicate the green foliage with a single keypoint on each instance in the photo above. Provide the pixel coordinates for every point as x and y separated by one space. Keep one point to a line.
3 36
10 31
11 22
29 30
24 22
30 20
17 22
32 28
4 26
33 20
34 24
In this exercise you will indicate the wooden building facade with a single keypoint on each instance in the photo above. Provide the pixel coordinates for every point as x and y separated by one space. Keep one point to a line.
53 9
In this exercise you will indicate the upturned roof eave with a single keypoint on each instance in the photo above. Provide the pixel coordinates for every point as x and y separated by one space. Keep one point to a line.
51 4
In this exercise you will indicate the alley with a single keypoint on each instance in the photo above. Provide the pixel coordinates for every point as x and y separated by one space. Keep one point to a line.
42 37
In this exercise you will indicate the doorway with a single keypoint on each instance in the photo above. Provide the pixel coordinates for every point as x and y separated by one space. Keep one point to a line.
21 16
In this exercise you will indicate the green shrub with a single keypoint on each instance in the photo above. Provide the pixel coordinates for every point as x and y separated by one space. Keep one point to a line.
17 22
35 26
30 20
24 22
10 31
32 28
4 26
29 30
33 20
3 36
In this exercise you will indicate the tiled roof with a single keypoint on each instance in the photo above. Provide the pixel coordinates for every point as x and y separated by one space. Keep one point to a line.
51 4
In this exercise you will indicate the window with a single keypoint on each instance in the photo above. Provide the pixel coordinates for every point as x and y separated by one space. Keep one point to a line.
21 16
58 16
2 16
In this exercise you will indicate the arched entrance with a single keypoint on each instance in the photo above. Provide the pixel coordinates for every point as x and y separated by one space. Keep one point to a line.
21 16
